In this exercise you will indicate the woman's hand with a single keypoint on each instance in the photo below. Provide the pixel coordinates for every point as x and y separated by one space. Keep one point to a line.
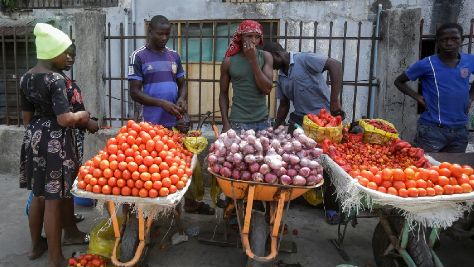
92 126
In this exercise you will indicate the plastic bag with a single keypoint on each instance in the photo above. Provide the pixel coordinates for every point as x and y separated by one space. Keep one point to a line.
102 238
196 189
195 144
318 133
375 135
313 197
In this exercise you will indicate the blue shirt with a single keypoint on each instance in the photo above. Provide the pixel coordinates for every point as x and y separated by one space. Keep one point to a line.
305 84
445 89
158 72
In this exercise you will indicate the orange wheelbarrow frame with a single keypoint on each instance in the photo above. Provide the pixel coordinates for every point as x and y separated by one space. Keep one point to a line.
249 190
143 231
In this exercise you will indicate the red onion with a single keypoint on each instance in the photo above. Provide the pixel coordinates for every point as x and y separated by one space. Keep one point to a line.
249 159
216 168
226 172
236 174
231 133
304 162
285 179
291 172
304 171
294 159
313 164
296 145
271 178
257 177
237 158
254 167
228 165
234 148
264 169
212 159
246 176
299 180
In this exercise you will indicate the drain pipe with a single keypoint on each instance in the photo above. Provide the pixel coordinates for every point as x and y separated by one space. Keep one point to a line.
376 51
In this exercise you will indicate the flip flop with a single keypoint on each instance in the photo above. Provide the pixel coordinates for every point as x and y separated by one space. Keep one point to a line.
332 217
85 240
78 217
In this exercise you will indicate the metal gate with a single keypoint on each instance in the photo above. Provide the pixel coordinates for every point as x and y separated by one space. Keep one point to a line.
202 44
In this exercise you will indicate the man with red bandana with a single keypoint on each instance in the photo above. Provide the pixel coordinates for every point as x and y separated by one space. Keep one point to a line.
250 71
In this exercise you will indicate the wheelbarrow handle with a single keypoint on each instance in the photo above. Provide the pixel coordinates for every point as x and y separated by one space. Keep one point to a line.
133 261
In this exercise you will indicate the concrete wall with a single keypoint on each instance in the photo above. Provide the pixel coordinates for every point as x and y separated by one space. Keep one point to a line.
395 55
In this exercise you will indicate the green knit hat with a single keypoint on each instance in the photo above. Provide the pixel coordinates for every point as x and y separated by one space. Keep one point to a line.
50 42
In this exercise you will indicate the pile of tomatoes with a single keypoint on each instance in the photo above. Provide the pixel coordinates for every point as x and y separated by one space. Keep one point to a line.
445 179
87 260
382 126
357 155
324 119
142 160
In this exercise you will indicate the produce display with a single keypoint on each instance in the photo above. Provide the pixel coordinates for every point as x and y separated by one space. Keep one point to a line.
445 179
324 119
87 260
142 160
398 168
269 156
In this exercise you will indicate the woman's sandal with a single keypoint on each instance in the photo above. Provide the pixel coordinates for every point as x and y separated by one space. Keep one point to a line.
332 217
85 240
78 217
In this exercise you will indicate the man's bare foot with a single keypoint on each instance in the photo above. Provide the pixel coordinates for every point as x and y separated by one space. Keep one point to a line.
38 249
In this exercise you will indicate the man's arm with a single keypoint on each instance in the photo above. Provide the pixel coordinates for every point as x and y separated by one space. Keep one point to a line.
139 96
282 111
401 83
182 94
263 78
224 94
334 68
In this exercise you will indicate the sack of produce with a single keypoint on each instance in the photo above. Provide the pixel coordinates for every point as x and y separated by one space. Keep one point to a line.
378 131
323 126
194 142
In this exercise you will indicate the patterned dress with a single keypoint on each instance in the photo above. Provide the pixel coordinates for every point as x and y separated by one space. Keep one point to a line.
48 161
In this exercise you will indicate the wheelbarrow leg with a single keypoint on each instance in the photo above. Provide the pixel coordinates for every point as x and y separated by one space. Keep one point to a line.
275 229
341 234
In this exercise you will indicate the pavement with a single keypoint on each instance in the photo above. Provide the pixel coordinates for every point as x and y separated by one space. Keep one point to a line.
311 236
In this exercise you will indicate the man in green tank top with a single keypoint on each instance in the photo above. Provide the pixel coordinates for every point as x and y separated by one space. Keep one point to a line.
250 71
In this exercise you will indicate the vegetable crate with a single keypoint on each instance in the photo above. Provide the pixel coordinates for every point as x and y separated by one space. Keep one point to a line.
250 191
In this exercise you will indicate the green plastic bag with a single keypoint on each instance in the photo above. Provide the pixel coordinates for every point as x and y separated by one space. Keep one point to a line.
102 238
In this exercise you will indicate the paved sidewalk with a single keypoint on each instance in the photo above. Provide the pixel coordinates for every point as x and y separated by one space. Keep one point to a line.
314 248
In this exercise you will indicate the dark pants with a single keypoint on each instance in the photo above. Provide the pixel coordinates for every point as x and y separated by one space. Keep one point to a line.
433 138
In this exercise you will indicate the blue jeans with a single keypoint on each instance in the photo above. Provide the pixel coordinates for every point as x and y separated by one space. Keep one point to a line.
433 138
256 126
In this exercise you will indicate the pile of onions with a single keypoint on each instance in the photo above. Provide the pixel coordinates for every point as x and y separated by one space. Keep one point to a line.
269 156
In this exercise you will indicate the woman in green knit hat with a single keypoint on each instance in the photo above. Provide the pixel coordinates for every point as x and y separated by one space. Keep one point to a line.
48 157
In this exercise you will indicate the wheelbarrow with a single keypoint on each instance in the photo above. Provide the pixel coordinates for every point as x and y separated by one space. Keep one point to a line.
248 191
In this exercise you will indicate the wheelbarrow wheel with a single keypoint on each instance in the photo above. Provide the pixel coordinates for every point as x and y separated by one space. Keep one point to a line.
258 237
417 247
130 240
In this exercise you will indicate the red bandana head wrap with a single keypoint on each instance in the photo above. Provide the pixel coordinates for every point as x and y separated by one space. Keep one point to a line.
247 26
